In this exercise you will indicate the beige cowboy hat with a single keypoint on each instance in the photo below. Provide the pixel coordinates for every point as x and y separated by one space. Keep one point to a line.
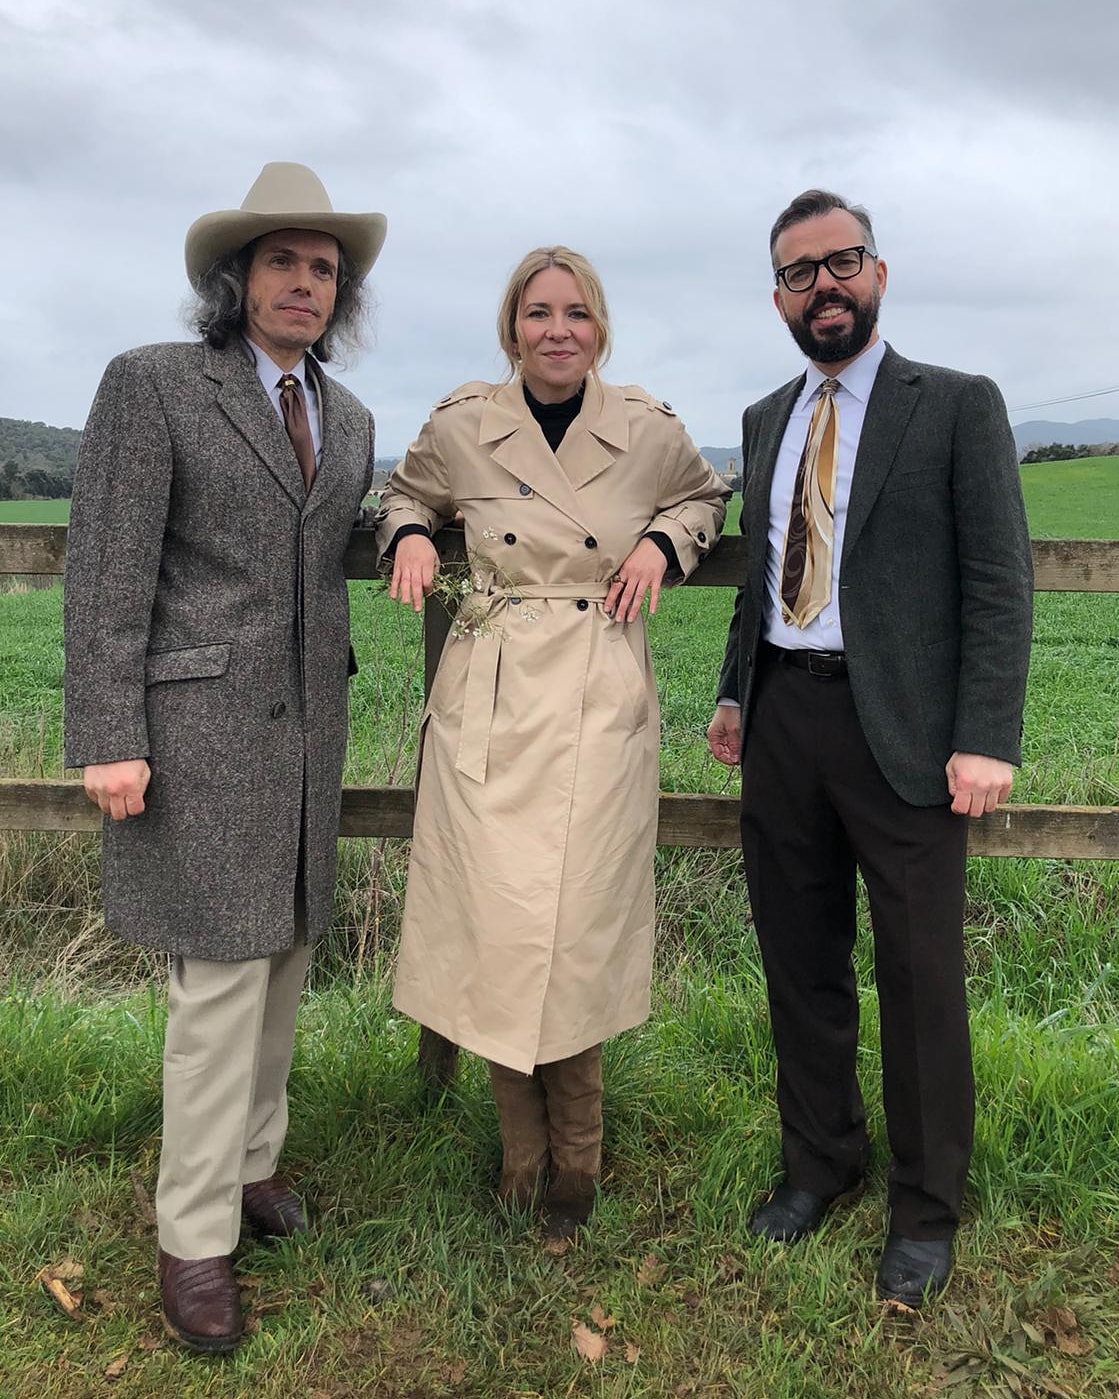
285 195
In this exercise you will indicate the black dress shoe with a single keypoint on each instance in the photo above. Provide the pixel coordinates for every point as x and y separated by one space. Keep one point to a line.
913 1271
790 1214
273 1208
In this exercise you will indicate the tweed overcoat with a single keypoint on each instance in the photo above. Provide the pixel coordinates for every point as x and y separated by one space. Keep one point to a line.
935 580
207 630
528 922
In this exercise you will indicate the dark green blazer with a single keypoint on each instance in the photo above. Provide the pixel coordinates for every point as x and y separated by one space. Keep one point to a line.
936 581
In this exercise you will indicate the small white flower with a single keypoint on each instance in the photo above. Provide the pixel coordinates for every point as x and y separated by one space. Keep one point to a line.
530 614
489 534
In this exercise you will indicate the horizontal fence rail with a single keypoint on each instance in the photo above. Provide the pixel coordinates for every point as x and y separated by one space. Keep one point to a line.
1060 565
708 821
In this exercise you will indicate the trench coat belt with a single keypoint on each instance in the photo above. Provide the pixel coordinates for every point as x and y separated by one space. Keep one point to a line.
487 610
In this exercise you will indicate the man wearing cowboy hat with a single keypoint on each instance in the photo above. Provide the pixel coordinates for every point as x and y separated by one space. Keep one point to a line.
207 656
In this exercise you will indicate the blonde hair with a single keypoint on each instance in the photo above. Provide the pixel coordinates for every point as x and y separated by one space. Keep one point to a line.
590 291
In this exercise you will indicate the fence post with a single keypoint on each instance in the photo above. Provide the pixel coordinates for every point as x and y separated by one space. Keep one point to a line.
436 1057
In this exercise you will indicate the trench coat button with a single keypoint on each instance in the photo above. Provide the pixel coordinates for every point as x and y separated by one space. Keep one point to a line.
525 490
591 542
510 538
279 709
514 602
582 604
701 537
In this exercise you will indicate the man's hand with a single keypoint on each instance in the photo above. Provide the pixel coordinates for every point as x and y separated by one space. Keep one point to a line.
724 735
977 784
641 573
118 788
413 570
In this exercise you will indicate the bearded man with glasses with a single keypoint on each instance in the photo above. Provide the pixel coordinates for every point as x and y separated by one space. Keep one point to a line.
872 689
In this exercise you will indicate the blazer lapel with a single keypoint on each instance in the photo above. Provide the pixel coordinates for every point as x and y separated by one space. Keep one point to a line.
891 404
243 400
758 483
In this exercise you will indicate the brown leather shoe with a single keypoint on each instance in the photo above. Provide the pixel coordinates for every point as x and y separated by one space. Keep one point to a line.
201 1302
272 1207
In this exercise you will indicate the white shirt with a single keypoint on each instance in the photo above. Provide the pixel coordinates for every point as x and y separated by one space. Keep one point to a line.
270 375
824 632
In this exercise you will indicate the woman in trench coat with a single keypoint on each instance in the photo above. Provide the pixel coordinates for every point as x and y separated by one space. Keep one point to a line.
528 922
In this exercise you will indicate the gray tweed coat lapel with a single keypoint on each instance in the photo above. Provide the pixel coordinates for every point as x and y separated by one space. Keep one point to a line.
338 445
242 399
892 401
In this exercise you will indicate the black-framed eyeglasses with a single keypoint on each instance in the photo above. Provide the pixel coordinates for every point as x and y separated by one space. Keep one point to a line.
843 265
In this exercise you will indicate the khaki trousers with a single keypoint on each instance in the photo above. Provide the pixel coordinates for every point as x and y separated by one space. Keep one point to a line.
226 1058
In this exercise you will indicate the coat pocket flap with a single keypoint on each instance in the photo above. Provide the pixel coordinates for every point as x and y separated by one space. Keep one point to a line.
188 663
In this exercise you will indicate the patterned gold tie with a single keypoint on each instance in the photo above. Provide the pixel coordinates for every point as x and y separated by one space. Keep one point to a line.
294 408
807 556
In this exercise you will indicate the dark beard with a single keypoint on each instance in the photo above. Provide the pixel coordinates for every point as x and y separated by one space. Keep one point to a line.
832 348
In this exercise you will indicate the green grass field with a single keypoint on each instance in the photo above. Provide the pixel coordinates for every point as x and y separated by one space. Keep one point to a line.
1073 499
407 1289
34 512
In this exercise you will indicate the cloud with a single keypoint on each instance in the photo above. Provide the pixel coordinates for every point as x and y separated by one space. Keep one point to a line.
660 139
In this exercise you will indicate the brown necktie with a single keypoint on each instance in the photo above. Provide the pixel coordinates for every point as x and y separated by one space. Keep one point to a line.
294 408
807 556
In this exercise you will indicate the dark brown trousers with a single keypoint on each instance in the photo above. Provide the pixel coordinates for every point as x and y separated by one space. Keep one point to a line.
815 807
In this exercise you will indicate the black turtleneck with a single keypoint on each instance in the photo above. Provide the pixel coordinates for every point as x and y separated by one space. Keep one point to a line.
554 418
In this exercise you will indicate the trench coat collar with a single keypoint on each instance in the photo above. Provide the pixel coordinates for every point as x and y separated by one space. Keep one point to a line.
243 400
591 444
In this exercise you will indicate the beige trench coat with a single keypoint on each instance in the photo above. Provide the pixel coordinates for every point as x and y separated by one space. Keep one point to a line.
528 921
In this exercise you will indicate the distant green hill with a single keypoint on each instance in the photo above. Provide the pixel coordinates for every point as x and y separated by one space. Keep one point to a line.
36 461
1073 499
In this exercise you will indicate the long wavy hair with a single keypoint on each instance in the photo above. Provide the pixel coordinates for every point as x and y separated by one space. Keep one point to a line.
217 311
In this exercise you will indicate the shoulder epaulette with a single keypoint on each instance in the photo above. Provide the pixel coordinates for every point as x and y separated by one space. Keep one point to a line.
475 389
635 393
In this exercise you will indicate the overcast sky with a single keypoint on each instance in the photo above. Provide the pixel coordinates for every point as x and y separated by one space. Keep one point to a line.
659 137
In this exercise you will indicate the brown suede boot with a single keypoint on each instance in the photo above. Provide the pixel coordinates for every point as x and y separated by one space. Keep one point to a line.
524 1136
574 1099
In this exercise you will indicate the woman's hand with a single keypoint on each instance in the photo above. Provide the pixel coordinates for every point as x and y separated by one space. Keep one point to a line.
413 570
641 573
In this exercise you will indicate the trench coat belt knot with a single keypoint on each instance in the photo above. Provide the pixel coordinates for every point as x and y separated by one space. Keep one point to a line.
487 607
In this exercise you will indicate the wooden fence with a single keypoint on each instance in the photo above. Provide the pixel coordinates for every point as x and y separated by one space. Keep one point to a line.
1055 832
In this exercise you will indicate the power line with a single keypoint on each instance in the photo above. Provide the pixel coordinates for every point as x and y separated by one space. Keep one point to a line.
1069 398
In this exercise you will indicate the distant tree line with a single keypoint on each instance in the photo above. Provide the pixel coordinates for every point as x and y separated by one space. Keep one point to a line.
36 461
1065 451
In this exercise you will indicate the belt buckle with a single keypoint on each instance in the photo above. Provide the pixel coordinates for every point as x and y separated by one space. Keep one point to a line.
824 665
